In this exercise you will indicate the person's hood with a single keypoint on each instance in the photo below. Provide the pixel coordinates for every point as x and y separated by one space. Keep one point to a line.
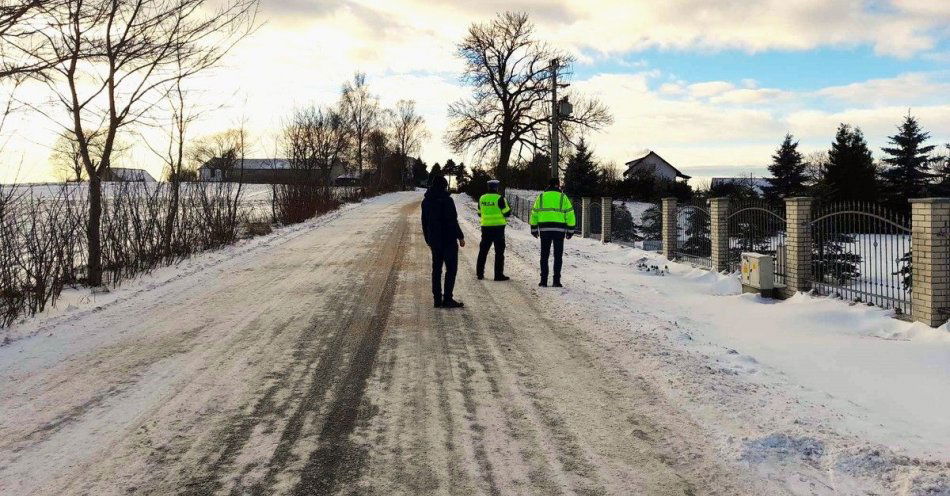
438 188
433 193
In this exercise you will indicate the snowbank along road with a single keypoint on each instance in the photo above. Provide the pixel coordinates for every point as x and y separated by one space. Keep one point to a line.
314 363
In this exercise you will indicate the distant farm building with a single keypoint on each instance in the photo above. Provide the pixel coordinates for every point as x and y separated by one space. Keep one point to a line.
126 175
655 164
262 171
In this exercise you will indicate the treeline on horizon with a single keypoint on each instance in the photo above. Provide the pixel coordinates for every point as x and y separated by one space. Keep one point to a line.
909 167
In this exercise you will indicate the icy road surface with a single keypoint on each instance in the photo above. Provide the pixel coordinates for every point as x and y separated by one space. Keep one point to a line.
314 363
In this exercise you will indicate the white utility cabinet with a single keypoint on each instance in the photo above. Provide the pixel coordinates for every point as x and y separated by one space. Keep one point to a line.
758 273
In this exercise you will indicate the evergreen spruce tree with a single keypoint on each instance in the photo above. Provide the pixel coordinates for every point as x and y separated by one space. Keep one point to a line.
420 172
907 173
788 172
581 177
698 242
850 174
652 223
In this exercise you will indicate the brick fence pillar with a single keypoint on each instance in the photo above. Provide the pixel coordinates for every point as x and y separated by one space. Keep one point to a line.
797 245
719 233
606 211
585 217
930 265
669 227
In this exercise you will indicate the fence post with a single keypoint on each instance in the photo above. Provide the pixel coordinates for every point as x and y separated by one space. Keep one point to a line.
719 233
930 266
585 217
797 245
669 227
606 210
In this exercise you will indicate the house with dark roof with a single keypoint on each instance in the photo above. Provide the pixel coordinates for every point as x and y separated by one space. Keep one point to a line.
127 175
259 171
655 164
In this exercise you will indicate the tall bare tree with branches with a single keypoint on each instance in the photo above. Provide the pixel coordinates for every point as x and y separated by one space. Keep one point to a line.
112 61
408 128
360 108
509 111
408 133
317 139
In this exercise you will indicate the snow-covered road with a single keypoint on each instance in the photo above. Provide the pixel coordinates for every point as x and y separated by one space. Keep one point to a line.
311 362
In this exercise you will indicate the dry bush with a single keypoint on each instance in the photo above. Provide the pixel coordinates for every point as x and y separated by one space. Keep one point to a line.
295 203
38 252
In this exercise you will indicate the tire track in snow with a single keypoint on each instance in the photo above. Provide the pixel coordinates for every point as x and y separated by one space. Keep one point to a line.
327 469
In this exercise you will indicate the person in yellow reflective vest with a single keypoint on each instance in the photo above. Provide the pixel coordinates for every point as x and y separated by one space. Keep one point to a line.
494 212
552 219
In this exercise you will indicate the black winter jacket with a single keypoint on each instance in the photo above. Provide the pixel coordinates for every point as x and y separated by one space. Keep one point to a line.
439 219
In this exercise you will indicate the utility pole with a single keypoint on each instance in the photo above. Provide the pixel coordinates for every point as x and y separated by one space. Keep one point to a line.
554 119
559 109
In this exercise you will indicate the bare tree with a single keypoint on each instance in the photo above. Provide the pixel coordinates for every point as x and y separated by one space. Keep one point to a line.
65 156
317 139
112 61
510 75
181 116
220 152
360 109
408 128
21 36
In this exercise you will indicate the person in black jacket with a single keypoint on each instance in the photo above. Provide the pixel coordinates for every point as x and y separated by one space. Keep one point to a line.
442 233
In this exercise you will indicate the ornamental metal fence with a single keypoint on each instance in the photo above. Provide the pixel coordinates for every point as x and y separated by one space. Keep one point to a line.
759 227
596 217
861 253
693 243
624 227
521 207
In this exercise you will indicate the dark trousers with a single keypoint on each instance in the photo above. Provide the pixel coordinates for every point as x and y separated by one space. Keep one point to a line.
547 239
449 257
491 235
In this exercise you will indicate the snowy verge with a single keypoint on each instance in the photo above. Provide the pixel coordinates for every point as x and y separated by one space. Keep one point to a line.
77 303
842 395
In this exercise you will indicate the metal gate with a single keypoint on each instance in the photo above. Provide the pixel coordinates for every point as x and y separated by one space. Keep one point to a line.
861 252
758 227
693 243
596 216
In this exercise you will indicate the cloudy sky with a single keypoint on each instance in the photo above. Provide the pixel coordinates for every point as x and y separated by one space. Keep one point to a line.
711 86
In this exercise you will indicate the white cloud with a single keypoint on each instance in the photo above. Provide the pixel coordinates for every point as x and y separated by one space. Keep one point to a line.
907 88
709 89
737 127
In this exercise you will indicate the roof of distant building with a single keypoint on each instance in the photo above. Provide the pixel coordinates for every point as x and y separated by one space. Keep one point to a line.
130 175
252 163
646 153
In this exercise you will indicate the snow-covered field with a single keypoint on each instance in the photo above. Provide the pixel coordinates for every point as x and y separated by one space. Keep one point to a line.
846 391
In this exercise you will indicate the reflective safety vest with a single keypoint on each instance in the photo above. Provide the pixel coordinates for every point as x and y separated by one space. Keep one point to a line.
492 214
552 211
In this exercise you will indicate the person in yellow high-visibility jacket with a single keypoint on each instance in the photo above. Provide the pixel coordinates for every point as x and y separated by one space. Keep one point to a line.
494 212
552 219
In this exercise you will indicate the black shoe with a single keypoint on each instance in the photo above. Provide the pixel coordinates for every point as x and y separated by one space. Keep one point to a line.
479 277
543 284
557 284
438 303
502 278
450 303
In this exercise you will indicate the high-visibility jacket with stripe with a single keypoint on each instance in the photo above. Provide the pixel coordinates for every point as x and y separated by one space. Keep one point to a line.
552 211
493 209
